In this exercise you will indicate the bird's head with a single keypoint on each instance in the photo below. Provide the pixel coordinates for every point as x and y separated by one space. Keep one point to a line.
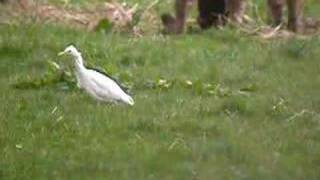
70 50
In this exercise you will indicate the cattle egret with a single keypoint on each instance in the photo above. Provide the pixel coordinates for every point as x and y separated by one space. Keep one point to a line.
95 83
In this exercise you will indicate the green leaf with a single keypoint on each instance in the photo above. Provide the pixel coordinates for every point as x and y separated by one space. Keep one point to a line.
104 25
250 88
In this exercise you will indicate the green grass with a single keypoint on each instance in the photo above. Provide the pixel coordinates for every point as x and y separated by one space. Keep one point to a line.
175 133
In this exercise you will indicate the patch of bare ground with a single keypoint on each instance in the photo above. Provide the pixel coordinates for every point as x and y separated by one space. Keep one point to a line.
121 16
309 27
131 19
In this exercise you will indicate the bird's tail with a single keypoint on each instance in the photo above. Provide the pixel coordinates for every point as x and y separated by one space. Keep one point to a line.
129 100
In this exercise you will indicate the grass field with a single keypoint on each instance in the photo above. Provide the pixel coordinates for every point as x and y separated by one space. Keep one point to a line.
232 107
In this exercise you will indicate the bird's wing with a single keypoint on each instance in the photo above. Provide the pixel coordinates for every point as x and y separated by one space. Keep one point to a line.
124 88
106 85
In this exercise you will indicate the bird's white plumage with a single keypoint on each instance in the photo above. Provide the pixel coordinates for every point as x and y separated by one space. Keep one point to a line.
95 83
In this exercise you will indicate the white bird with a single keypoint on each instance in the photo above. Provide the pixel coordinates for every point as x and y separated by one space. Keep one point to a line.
97 84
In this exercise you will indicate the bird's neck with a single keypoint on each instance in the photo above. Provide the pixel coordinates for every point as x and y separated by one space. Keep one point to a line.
79 62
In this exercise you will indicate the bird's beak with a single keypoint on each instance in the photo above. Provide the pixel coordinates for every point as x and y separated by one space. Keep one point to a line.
61 53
